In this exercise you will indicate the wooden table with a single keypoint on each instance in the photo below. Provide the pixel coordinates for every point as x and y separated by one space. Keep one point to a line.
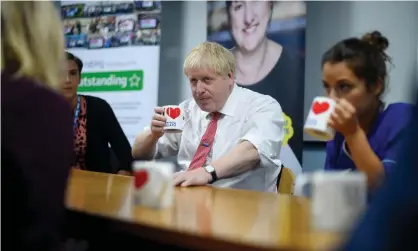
202 218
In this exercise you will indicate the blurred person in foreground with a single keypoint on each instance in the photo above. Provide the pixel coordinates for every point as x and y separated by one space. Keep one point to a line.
36 136
95 127
391 220
369 132
234 135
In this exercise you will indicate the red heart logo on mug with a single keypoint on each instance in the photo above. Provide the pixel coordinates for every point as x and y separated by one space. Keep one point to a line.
141 178
320 107
173 112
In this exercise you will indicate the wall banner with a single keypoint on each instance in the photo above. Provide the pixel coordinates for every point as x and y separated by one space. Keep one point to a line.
118 42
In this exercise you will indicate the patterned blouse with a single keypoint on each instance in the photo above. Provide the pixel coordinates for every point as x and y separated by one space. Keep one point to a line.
80 135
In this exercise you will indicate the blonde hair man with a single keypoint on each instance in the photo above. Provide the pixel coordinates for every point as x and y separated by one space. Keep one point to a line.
242 129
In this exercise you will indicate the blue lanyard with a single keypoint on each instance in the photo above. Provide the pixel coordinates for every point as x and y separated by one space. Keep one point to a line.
76 113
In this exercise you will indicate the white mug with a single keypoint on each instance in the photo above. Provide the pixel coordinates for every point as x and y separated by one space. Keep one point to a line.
316 124
153 183
337 198
174 119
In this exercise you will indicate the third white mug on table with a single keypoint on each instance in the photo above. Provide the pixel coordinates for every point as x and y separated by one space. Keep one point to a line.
337 198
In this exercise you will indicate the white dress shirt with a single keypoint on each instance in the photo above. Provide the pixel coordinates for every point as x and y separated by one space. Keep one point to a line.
247 115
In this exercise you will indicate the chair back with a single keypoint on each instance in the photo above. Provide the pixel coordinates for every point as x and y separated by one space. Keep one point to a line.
286 181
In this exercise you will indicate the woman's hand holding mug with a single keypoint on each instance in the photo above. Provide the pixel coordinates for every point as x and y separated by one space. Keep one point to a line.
344 119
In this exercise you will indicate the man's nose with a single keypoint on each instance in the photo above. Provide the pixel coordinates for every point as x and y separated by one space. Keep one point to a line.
199 87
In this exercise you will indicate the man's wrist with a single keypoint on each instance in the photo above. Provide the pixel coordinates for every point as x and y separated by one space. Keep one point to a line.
210 170
154 137
152 140
209 177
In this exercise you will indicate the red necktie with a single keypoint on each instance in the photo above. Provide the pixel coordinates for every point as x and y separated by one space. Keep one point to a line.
206 143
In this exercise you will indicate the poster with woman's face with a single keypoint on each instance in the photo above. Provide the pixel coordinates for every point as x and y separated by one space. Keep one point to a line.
267 39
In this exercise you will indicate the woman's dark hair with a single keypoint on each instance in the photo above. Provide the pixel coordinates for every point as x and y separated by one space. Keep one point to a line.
77 60
365 56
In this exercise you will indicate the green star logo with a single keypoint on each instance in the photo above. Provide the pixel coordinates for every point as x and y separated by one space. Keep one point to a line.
134 80
111 81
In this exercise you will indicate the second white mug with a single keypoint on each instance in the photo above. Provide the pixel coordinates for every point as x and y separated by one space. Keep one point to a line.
153 184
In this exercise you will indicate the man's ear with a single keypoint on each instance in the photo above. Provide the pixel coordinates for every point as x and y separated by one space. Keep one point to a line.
231 78
231 75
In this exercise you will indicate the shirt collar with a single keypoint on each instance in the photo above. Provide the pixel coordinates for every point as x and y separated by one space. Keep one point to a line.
231 103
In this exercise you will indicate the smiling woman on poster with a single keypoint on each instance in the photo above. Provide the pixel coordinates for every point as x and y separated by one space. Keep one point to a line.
267 67
248 24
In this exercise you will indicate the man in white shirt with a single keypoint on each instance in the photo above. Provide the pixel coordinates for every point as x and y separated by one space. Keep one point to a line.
232 136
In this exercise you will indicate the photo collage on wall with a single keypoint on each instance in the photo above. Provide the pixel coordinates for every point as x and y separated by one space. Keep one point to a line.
110 24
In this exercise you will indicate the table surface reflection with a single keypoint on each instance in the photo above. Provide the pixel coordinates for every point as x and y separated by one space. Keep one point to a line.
264 221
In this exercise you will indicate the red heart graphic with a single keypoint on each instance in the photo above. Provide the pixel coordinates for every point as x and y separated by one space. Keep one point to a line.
173 112
141 178
320 107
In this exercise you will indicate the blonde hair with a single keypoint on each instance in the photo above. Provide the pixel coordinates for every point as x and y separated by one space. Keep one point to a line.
210 55
33 39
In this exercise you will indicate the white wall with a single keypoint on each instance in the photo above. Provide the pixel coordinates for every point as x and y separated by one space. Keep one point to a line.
398 21
184 26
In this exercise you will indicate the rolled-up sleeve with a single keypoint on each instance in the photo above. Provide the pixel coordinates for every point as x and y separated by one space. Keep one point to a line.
167 145
265 131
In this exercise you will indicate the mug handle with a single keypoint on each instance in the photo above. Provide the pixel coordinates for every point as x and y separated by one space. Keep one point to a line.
303 185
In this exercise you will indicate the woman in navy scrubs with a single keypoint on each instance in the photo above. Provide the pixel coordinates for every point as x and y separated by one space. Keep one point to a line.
368 131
